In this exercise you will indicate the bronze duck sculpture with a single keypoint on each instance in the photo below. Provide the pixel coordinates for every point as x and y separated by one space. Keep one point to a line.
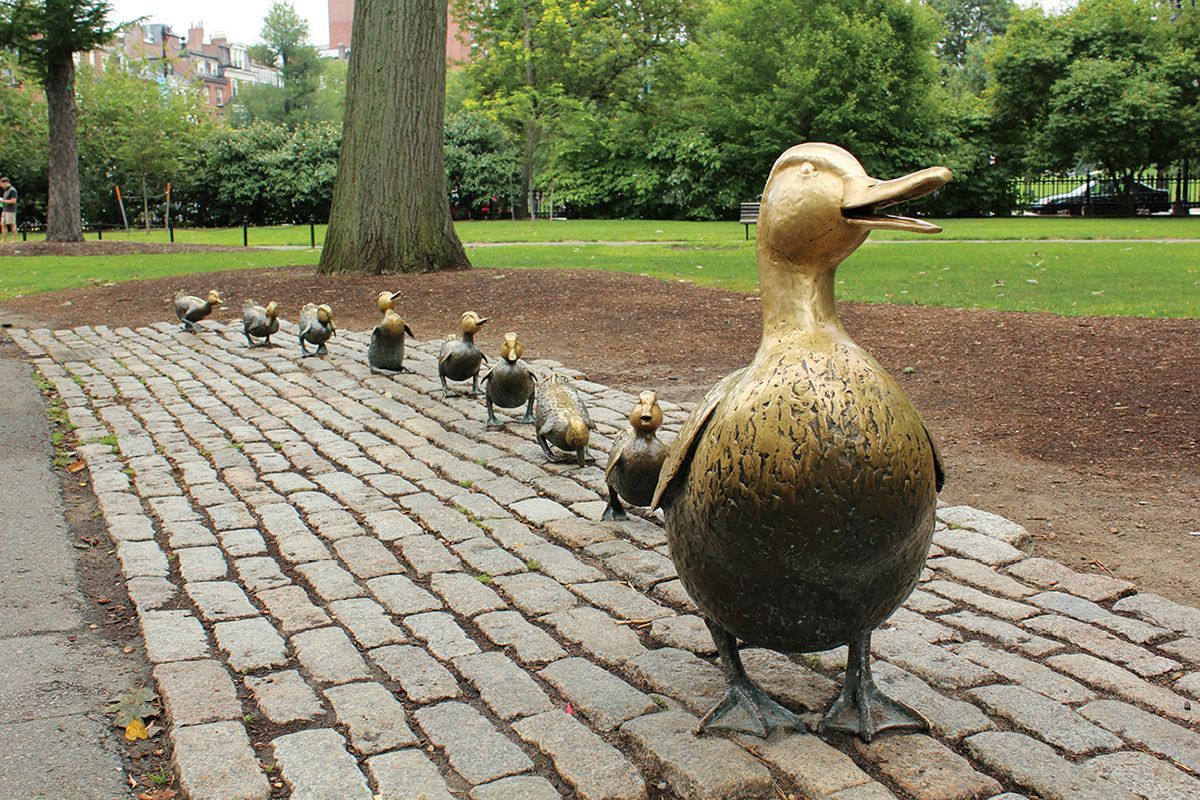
191 309
510 383
561 419
799 497
460 359
386 300
385 353
636 459
259 322
316 327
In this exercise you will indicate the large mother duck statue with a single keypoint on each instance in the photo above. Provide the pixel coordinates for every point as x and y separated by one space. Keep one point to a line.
799 497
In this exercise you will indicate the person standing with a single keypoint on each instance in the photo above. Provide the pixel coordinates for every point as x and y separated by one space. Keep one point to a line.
8 217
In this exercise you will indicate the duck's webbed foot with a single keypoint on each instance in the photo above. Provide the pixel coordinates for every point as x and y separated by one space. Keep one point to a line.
760 714
863 709
614 510
528 418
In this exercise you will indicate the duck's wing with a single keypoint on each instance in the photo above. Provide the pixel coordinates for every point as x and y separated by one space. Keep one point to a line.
939 466
614 455
681 448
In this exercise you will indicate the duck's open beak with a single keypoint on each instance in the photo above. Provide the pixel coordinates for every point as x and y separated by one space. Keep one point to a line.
864 196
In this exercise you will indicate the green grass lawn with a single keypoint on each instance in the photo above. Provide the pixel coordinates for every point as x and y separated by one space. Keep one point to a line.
1003 263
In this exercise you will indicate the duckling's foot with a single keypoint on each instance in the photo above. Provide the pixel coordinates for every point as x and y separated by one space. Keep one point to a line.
614 511
760 714
863 709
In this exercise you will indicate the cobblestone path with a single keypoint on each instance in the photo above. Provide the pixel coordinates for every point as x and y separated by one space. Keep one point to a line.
346 579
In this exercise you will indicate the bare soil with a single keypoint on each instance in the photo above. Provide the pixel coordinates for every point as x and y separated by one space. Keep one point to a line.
1086 430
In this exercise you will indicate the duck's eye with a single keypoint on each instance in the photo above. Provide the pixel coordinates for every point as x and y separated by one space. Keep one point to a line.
807 169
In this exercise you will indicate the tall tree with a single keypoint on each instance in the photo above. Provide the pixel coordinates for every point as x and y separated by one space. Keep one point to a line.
389 202
46 34
285 45
1103 85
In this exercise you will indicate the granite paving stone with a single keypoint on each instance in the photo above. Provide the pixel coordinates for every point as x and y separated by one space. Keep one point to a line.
367 622
284 697
695 766
410 775
686 632
1029 763
1149 731
1029 674
1004 633
1146 775
535 594
934 664
680 675
1011 610
330 581
518 787
1094 640
329 656
1162 612
483 555
441 634
597 633
951 719
1087 611
593 768
422 678
1037 714
251 644
474 748
366 557
317 767
603 698
220 600
426 555
374 719
195 692
215 761
466 595
507 689
293 608
818 769
260 572
173 636
400 595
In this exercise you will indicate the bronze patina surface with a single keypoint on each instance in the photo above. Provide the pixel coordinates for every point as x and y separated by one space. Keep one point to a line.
636 458
259 322
509 383
561 419
385 353
460 359
191 309
799 497
316 327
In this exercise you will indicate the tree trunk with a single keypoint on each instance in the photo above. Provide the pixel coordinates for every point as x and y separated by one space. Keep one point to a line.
390 210
62 218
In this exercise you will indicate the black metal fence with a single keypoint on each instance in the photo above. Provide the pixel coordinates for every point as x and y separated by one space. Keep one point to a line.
1169 192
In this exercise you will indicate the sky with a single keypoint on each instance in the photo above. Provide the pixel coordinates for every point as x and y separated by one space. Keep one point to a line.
241 20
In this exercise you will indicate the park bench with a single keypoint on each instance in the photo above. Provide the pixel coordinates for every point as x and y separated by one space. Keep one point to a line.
749 216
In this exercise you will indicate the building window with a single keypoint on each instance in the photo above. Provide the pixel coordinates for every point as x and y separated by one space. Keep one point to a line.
220 97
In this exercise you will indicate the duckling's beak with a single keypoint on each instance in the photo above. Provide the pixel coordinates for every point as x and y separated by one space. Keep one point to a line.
865 195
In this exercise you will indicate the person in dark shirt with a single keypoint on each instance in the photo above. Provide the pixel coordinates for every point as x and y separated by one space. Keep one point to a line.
8 216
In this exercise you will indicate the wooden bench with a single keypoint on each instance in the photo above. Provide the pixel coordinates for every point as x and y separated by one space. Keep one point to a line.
749 216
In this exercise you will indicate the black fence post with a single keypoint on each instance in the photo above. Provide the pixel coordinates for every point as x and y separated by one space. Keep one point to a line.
171 231
99 232
245 233
24 234
312 232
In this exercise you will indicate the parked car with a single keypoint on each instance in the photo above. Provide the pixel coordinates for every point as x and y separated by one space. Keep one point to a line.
1105 199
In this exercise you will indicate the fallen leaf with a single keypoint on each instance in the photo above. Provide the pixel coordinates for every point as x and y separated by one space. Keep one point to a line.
136 730
137 704
78 466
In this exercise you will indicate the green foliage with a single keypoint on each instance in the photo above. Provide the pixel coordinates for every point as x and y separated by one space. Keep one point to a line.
45 32
285 45
481 163
117 105
24 139
1108 84
265 174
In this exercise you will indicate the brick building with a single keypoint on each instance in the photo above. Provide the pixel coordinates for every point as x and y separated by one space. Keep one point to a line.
341 19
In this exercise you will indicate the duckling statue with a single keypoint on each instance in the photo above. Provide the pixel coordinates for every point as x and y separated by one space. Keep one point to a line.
561 419
460 359
385 353
636 459
260 322
799 496
191 309
316 326
510 383
387 300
